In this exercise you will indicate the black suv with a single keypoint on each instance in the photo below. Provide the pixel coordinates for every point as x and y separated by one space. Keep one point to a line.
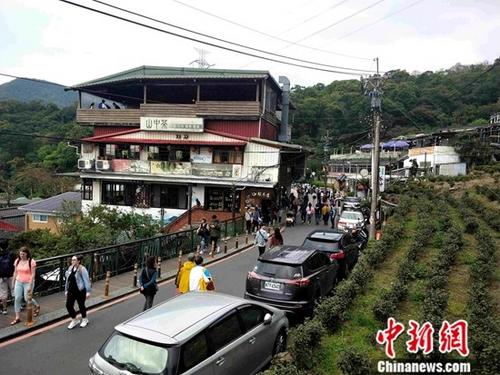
291 278
338 245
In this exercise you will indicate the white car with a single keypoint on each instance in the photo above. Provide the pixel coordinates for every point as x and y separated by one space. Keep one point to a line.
351 220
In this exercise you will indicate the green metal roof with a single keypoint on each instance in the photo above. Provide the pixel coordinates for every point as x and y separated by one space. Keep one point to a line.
161 72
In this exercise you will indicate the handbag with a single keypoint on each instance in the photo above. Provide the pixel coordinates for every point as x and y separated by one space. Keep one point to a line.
211 285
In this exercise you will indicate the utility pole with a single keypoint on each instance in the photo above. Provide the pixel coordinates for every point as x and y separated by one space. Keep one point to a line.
326 149
372 87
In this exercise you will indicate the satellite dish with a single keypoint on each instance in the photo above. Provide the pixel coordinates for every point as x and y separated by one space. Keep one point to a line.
363 172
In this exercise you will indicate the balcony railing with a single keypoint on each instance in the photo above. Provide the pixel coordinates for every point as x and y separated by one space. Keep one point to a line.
202 109
172 168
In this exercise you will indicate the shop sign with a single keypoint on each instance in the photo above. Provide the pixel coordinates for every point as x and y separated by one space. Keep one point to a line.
166 167
213 170
172 124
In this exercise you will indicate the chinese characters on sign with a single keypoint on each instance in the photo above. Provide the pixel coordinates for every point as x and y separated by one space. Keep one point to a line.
172 124
451 337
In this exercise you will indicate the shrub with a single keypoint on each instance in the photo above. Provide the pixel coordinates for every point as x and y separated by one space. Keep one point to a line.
303 340
352 362
283 366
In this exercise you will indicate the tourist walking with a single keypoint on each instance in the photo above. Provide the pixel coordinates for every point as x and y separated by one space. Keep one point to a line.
7 259
309 213
204 233
200 279
333 214
24 281
261 238
276 239
182 279
248 219
147 281
77 289
215 233
325 211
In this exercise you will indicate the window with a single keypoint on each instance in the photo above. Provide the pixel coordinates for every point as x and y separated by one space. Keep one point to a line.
87 148
316 262
225 332
179 153
118 194
38 218
87 189
194 352
109 151
252 316
225 156
135 152
278 271
153 153
220 199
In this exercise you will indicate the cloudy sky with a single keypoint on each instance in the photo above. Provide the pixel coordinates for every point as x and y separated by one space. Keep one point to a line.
56 41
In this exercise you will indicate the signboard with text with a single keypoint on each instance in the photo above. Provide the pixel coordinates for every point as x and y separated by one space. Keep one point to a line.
172 124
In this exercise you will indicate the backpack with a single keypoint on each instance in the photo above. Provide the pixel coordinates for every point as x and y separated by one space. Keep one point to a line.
6 265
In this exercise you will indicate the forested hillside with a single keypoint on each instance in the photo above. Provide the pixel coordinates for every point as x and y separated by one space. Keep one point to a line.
24 90
32 149
411 104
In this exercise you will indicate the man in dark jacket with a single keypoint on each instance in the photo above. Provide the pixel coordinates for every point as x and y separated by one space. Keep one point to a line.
215 233
7 259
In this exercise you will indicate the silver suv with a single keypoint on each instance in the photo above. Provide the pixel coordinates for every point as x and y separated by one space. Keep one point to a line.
195 333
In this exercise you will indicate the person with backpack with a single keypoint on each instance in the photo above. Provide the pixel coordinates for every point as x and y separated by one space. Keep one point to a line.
261 238
24 281
325 211
182 278
203 232
215 233
77 288
147 281
317 211
7 259
200 279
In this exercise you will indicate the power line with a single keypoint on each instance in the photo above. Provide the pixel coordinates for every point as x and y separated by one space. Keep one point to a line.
379 20
204 42
226 41
338 22
273 36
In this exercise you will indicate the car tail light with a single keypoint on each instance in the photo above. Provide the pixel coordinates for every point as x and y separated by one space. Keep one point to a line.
339 255
342 222
302 282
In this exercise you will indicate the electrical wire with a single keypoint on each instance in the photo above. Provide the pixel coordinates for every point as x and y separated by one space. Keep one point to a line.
277 37
379 20
229 42
205 42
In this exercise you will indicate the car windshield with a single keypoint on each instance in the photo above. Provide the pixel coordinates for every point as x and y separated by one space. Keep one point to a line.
278 271
351 215
135 356
320 244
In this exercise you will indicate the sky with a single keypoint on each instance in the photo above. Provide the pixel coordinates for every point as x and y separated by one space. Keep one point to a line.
59 42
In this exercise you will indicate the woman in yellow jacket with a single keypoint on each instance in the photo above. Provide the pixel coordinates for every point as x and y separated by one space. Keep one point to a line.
182 279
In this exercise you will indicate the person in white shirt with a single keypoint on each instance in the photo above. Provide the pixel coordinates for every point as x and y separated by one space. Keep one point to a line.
261 238
199 276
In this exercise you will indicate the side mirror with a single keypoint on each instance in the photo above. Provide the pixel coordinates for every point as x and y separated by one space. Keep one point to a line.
268 318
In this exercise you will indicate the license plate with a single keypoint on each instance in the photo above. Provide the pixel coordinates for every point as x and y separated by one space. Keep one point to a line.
272 285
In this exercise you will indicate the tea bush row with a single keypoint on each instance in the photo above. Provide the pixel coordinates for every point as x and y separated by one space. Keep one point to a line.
490 215
387 304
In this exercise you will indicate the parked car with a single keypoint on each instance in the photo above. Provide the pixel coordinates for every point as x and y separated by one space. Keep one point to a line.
291 278
195 333
338 245
351 202
351 220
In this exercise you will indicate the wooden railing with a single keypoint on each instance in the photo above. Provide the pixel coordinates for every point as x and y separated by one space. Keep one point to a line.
132 116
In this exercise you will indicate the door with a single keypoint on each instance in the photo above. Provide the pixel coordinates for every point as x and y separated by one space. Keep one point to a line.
195 357
330 272
316 268
350 249
229 345
259 337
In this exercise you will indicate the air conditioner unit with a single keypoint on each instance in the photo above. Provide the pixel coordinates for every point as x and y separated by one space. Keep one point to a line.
103 165
85 164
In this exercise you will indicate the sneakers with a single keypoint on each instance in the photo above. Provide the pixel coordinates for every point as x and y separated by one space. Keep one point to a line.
4 312
84 323
73 323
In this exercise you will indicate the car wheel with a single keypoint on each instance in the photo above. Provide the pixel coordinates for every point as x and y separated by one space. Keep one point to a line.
280 342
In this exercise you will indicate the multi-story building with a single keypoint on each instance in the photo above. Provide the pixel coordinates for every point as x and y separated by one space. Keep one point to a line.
165 139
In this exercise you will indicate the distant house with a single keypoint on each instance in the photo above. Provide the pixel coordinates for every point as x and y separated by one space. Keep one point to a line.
45 214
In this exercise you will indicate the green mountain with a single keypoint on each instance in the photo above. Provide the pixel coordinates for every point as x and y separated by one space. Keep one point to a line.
32 90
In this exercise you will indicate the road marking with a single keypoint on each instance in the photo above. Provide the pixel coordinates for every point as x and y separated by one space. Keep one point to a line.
105 305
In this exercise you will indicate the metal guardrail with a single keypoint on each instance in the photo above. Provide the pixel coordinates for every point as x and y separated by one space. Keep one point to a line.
121 258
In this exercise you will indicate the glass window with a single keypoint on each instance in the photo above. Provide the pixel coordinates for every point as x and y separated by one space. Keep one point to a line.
87 189
135 356
278 271
194 352
135 152
225 156
252 316
225 331
315 262
109 151
40 218
153 153
118 194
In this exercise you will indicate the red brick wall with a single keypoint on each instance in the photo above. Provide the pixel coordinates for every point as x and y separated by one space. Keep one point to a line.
196 215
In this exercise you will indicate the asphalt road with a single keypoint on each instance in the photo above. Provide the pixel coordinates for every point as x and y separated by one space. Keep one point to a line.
59 351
